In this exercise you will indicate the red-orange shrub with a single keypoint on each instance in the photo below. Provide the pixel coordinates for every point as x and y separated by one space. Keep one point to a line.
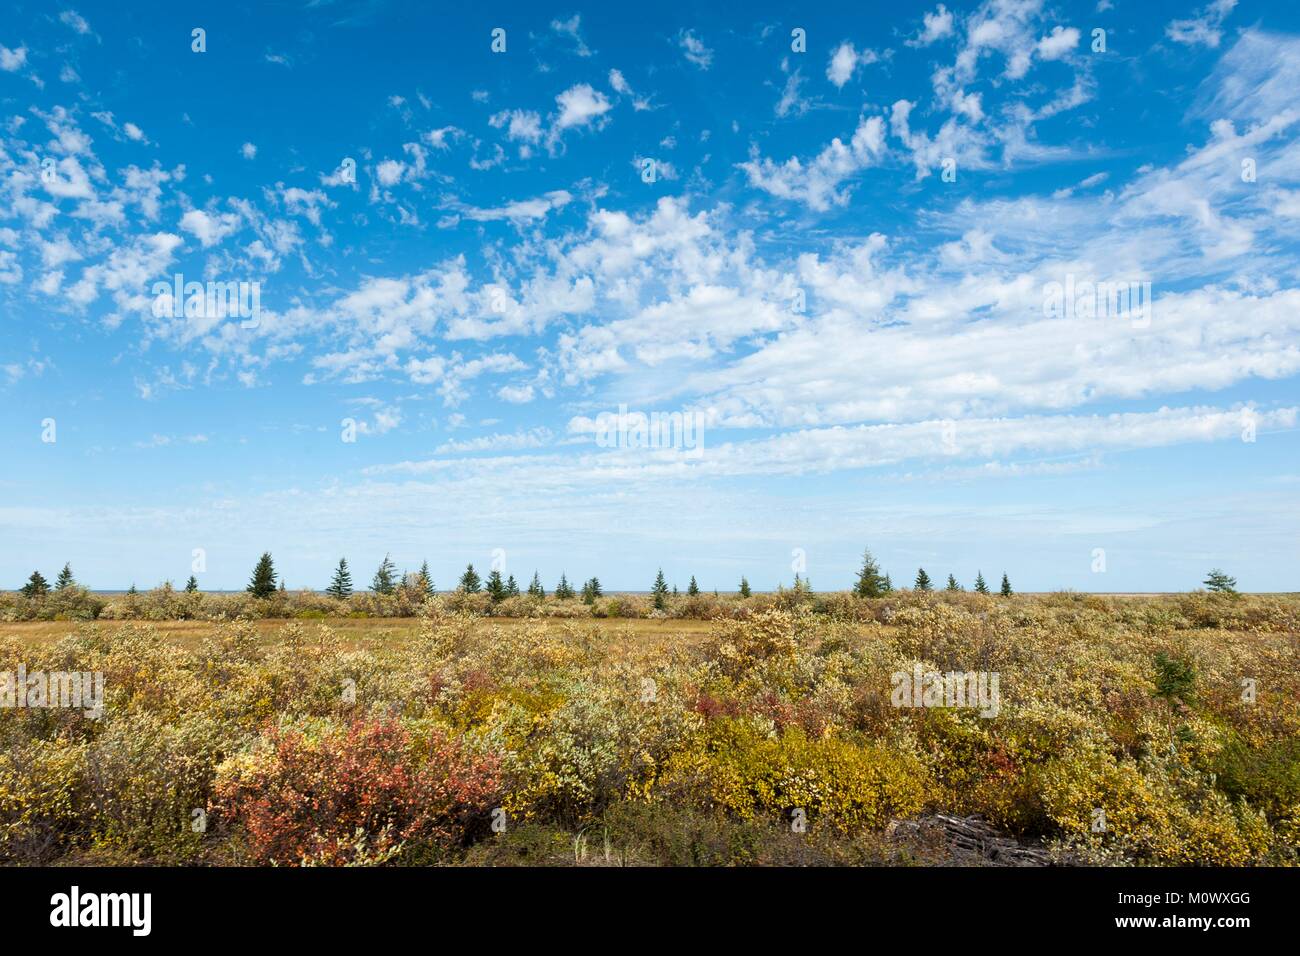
355 794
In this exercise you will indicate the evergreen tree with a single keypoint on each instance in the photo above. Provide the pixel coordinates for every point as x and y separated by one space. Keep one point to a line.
922 581
469 581
888 586
64 580
512 587
980 586
36 586
341 584
282 587
659 590
1006 585
263 583
1219 582
952 584
496 588
535 588
674 590
564 590
744 588
590 591
424 581
385 579
131 589
869 584
693 589
191 585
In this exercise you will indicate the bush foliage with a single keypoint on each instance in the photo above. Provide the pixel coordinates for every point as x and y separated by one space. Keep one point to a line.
560 739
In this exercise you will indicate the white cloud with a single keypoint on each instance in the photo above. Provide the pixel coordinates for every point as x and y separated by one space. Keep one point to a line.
1205 28
935 27
572 29
537 437
12 60
1061 41
516 394
817 183
791 101
579 106
209 229
75 20
522 125
694 49
305 202
523 210
248 151
845 61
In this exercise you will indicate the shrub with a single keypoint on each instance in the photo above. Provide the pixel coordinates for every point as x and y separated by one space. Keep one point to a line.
363 793
848 785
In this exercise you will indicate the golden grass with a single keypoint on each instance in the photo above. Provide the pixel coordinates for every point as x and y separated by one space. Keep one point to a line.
628 636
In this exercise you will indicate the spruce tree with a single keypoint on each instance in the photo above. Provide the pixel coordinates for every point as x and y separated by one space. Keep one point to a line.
512 587
469 581
496 588
922 581
425 581
64 580
1006 585
1219 582
888 586
535 588
952 584
980 586
341 584
869 583
191 585
693 589
131 589
564 590
659 590
385 579
263 583
744 588
282 587
36 586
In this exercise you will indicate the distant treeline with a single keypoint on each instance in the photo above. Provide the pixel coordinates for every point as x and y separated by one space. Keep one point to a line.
405 595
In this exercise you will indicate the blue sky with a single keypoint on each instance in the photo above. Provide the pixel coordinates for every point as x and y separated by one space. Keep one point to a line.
841 264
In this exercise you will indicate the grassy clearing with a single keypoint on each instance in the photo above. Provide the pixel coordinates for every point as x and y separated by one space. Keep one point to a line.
631 636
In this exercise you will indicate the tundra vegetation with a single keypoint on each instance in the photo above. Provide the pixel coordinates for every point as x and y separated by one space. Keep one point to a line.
1148 731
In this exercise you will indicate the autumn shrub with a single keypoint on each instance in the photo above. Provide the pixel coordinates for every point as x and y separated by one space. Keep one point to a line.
146 777
739 766
365 792
43 805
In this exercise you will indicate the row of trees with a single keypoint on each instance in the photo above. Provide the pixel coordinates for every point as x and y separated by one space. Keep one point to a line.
871 582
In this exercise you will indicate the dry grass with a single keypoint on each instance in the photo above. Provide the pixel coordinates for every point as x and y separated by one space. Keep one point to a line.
628 638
